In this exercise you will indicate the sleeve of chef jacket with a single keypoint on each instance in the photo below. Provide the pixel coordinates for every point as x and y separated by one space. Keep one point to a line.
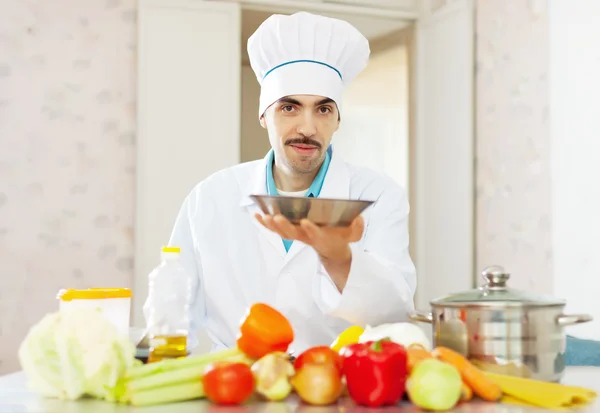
382 279
182 237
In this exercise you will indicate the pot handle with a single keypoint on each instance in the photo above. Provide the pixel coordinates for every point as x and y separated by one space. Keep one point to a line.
421 317
569 320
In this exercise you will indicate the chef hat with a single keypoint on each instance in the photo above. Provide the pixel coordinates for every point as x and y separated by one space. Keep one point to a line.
305 54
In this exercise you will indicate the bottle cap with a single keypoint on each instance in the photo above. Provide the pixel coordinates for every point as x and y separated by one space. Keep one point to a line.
172 250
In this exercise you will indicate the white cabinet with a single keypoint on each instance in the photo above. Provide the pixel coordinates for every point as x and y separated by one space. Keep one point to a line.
189 71
442 169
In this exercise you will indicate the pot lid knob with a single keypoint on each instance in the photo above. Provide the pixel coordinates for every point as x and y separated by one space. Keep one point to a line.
495 276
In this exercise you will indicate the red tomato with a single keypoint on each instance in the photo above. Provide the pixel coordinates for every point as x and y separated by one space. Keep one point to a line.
319 355
228 383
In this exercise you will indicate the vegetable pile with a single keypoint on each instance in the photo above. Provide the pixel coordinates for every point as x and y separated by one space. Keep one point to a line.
176 380
72 354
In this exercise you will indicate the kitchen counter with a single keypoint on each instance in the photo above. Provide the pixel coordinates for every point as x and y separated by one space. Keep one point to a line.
15 397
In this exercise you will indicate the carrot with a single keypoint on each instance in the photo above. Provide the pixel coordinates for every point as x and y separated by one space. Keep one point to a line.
416 353
481 384
466 393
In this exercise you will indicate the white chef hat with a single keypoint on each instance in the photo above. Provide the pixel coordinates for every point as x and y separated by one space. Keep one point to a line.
305 54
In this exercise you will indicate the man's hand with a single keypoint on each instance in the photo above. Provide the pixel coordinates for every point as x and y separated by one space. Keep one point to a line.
332 244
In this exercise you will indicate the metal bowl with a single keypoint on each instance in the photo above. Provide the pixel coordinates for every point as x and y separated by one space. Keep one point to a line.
320 211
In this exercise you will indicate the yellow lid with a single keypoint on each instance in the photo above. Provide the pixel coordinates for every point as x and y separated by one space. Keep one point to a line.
70 294
171 249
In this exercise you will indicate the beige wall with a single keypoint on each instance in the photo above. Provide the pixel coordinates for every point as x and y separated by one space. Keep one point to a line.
254 139
513 204
390 67
67 136
374 127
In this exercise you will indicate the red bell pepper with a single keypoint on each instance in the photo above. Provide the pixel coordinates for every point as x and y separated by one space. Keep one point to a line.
376 372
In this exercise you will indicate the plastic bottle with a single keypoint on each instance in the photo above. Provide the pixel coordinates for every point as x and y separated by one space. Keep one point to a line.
168 321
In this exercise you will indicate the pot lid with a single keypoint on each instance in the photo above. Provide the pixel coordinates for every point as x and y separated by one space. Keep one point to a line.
495 292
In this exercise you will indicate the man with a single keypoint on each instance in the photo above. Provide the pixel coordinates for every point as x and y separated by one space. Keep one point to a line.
322 279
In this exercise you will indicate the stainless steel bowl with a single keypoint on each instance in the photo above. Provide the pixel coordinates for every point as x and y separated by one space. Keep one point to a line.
320 211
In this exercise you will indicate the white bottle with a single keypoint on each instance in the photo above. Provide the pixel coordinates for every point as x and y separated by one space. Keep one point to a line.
168 314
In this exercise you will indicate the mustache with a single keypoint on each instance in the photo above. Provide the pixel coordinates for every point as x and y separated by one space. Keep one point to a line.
304 141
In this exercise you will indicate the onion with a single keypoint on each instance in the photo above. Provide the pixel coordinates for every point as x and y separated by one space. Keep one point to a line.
318 383
272 373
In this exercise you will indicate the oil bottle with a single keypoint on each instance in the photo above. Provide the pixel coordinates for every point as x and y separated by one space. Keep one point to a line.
168 307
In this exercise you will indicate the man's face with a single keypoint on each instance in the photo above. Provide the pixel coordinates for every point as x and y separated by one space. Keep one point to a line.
300 129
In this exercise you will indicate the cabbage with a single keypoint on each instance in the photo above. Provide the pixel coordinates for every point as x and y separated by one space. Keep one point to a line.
404 334
72 353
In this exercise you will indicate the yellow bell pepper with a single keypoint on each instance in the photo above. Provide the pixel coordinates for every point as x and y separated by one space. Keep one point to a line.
351 335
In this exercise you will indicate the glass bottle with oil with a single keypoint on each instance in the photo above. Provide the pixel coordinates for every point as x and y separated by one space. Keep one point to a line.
167 308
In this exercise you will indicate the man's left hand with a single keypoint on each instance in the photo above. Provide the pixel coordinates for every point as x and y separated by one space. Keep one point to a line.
332 244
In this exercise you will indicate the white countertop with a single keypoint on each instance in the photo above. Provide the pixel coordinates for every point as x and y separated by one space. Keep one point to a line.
15 397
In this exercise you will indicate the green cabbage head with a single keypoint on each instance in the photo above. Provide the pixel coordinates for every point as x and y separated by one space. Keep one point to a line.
72 354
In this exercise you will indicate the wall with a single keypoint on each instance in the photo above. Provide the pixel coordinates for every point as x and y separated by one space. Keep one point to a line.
574 79
254 139
538 94
374 127
513 201
67 135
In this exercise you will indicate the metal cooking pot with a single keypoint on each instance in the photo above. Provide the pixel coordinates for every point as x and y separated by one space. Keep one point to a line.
503 330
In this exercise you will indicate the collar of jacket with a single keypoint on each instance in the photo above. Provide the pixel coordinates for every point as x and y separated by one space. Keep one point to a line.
335 185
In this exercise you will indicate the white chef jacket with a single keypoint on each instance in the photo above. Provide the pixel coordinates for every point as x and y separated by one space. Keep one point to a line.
234 262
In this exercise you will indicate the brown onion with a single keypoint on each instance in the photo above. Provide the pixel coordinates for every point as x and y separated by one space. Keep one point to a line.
318 383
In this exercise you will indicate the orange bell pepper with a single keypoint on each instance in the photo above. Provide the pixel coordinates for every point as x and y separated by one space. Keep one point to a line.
264 330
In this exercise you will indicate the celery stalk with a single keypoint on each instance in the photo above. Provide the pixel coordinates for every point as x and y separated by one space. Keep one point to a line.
172 377
166 378
170 394
169 365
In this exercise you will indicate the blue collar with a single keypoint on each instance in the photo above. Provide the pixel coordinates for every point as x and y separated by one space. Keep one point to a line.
315 187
